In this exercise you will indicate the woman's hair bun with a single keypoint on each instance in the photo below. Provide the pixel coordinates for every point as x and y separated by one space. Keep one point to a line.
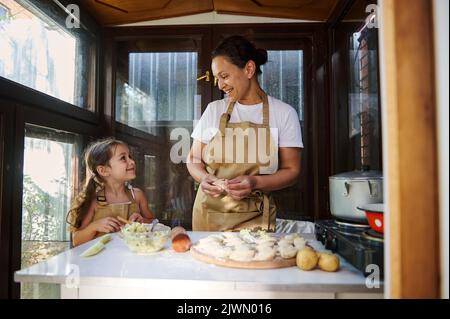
261 56
239 51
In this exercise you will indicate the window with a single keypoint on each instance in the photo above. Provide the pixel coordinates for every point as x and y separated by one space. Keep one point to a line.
41 53
161 86
157 95
49 174
282 77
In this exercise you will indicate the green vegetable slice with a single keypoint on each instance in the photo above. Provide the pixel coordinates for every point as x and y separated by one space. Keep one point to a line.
93 250
105 239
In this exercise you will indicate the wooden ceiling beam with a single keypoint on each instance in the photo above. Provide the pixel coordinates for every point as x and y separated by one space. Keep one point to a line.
339 11
116 12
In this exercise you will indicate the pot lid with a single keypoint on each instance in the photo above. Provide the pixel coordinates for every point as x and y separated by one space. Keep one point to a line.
373 208
363 174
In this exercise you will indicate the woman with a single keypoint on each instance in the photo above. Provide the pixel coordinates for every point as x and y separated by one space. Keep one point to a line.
236 178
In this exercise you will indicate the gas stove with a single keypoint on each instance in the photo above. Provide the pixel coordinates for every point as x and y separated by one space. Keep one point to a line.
358 244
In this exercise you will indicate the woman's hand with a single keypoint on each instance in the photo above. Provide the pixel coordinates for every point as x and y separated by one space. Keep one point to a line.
136 217
106 225
209 188
240 187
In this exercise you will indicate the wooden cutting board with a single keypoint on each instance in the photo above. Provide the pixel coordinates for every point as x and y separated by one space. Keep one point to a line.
278 262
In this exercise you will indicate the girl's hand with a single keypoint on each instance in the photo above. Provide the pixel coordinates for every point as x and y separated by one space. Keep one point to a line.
106 225
136 217
209 188
240 187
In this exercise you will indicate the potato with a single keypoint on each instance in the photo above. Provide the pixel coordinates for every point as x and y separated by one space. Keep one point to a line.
307 259
328 262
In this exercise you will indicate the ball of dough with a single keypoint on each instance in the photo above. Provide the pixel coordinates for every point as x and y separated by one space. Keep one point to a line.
209 247
266 244
299 243
284 242
307 259
287 251
209 240
291 237
223 252
264 240
220 183
242 254
233 241
265 253
328 262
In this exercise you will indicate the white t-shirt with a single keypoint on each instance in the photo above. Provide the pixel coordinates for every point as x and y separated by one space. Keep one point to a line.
283 121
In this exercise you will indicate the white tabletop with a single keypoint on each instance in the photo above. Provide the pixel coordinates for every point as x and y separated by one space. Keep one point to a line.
117 265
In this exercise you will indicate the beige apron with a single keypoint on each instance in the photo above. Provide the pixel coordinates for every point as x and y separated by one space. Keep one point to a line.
125 210
224 213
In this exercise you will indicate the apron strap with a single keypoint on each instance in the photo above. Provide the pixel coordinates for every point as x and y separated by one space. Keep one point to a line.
225 117
265 110
101 197
266 118
129 187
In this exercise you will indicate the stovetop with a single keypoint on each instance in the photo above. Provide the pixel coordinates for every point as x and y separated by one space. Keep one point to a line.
358 244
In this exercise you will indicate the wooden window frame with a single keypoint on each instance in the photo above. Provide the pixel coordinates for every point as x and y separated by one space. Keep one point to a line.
19 105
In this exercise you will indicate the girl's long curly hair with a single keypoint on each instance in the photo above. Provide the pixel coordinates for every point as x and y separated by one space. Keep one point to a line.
96 154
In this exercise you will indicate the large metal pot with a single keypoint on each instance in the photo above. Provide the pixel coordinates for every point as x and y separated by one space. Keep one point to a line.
352 189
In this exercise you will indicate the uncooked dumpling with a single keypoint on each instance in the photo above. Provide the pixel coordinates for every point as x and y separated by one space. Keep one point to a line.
287 251
284 242
299 243
266 244
207 240
291 237
242 254
233 241
265 254
210 248
222 252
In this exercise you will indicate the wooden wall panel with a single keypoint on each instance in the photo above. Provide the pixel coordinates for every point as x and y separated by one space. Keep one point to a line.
409 107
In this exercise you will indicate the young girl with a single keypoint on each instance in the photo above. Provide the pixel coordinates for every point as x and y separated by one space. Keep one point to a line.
107 194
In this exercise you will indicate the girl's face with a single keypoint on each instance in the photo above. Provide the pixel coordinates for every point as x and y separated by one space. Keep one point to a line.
232 80
121 165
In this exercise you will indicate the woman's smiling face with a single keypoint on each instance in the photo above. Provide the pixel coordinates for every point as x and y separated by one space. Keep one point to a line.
232 80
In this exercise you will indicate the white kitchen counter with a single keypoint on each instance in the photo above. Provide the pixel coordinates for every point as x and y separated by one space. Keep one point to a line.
117 272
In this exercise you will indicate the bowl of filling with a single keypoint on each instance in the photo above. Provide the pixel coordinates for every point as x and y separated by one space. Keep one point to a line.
140 239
